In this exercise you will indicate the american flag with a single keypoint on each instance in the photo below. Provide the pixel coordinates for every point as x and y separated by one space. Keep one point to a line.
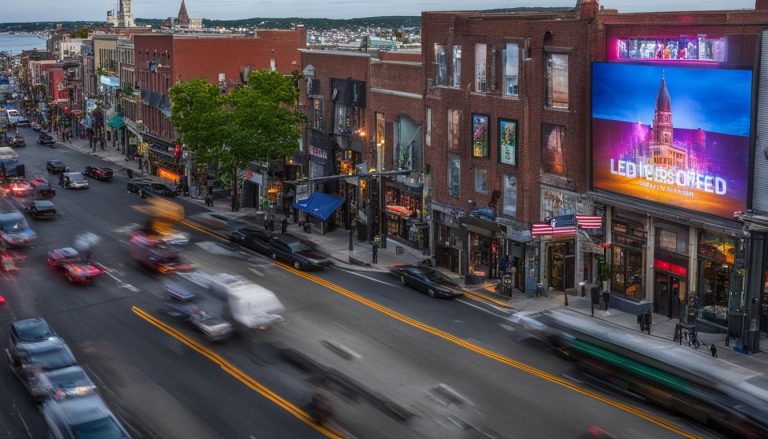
563 225
589 221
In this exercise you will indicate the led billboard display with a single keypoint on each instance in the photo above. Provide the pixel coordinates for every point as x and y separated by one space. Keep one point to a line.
672 135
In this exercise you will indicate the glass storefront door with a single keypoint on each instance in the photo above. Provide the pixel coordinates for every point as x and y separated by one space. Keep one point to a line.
669 293
562 261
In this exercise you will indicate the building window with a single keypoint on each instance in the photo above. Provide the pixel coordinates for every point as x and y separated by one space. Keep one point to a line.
684 48
453 129
557 80
341 119
510 195
480 136
428 134
481 84
317 114
456 65
441 69
552 149
454 176
511 69
481 181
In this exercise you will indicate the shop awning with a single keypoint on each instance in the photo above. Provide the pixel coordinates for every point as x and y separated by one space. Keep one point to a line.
116 122
400 210
480 226
319 205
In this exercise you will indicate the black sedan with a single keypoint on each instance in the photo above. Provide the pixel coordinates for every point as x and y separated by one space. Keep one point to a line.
38 209
98 172
43 187
257 240
291 249
425 279
45 139
56 166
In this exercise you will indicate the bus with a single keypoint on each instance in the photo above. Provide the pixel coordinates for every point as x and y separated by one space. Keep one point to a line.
709 390
10 164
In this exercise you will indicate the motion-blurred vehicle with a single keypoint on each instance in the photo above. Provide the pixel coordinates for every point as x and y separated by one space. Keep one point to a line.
172 237
32 359
156 255
290 249
23 121
56 166
82 417
45 139
186 304
14 230
254 239
17 187
98 172
38 209
62 383
18 141
36 126
74 180
426 279
143 187
30 330
75 268
10 259
43 187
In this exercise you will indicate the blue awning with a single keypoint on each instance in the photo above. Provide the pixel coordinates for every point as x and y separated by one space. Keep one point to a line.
319 205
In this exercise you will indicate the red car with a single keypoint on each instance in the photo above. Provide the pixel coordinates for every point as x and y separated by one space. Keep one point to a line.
10 259
73 266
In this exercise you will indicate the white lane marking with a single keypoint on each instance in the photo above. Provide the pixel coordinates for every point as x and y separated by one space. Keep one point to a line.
367 277
129 287
497 308
483 309
255 271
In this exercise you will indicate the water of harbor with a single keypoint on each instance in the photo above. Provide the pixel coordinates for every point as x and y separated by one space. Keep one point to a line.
15 43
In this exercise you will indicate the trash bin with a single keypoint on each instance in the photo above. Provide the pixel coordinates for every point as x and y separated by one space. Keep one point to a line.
539 290
605 298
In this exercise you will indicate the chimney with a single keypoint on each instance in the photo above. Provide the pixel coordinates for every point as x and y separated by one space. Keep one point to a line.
761 5
589 8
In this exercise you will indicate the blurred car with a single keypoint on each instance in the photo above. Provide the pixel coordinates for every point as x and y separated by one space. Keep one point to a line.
83 417
43 187
35 358
41 209
171 237
428 280
14 229
17 187
62 383
223 222
18 141
36 126
56 166
140 186
257 240
45 139
23 121
30 330
294 251
156 255
76 269
98 172
74 180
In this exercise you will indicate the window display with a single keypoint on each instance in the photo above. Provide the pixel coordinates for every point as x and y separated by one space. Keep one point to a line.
693 48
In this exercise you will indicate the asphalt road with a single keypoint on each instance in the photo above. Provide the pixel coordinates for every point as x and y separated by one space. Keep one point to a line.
400 345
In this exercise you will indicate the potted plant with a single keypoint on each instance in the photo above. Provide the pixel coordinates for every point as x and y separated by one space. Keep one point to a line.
605 274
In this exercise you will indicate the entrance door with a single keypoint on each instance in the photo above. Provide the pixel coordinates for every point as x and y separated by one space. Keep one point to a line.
661 294
557 270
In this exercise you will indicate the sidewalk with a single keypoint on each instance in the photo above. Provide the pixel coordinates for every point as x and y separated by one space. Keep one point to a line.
336 244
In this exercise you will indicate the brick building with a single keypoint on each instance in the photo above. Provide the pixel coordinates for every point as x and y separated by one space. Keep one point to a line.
162 60
506 95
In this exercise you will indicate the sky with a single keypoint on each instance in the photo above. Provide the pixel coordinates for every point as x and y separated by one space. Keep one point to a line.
628 93
57 10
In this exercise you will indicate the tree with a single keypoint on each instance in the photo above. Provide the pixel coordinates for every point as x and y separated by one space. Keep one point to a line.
81 32
255 122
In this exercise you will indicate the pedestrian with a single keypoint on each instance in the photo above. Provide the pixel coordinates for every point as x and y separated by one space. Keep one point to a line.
271 223
375 253
129 171
647 318
713 349
284 226
641 321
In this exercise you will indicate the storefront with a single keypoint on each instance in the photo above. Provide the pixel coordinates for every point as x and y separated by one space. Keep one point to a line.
485 243
627 258
670 264
163 163
716 258
449 237
403 210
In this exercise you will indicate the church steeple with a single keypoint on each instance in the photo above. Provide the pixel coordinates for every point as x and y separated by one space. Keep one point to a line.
183 18
662 118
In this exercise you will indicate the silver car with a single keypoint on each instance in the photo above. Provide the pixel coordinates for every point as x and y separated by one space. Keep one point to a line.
74 180
85 416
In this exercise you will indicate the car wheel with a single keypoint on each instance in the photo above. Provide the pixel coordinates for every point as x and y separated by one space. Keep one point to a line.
431 292
402 280
140 193
274 255
297 265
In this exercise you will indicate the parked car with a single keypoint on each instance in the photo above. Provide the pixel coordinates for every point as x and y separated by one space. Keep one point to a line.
41 209
223 222
56 166
98 172
139 186
45 139
63 383
428 280
254 239
75 268
18 141
86 416
23 121
74 180
30 330
294 251
43 187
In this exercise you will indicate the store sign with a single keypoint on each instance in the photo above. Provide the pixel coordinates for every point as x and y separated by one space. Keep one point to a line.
320 153
676 136
670 267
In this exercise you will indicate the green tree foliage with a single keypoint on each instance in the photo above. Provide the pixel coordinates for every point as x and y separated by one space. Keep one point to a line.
254 122
81 32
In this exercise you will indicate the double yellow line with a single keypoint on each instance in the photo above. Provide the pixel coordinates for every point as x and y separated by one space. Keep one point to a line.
488 353
239 375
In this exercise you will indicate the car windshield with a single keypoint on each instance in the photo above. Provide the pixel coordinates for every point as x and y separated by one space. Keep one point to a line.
435 276
297 246
54 358
104 428
13 223
35 332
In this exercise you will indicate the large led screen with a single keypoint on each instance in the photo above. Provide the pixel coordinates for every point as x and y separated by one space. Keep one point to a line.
672 135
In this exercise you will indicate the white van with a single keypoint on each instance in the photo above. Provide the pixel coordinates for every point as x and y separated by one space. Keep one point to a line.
13 116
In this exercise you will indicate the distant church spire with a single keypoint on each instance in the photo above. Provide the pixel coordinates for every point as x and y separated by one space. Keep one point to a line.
183 18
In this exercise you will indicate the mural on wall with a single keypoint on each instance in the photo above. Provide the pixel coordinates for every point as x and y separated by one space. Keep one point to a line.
673 135
480 136
552 138
508 141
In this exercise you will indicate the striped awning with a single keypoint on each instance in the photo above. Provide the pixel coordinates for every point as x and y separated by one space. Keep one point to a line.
566 225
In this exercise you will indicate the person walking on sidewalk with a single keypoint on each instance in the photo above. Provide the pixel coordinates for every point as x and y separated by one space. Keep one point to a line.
375 253
284 226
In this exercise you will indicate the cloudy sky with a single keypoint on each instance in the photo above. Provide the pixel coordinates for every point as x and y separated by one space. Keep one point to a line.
58 10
